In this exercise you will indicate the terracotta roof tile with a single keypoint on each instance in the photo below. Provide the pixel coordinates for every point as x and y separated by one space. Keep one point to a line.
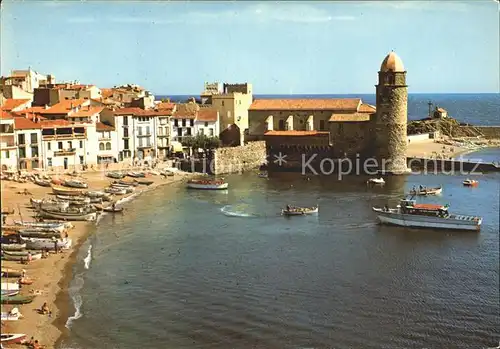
6 115
103 127
185 111
165 105
106 92
21 123
367 108
55 123
352 117
65 106
10 103
127 111
86 112
306 104
296 133
207 115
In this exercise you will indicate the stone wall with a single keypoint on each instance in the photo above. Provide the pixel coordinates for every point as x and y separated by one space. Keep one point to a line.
487 131
237 159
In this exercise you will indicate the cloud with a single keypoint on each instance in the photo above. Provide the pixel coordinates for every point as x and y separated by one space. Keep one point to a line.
298 13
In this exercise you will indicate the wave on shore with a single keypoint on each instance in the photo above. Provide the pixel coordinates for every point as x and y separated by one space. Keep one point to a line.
74 291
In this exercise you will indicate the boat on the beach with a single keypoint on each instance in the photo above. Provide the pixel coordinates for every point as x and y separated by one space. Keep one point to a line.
9 293
70 214
424 191
207 184
410 214
17 299
55 225
116 191
48 203
42 182
144 182
15 257
128 188
263 175
45 243
9 286
12 338
115 175
95 194
12 315
376 181
129 183
135 174
113 209
11 273
24 253
39 234
74 183
13 247
470 182
83 199
58 190
299 211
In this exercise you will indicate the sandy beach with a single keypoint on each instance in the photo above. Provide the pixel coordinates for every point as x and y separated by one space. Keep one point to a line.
51 276
448 148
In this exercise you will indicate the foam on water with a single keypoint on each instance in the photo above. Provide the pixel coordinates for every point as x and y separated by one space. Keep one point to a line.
74 291
226 210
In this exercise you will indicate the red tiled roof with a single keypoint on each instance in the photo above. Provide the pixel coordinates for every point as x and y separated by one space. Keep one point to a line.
86 112
185 111
127 111
11 103
103 127
367 108
296 133
6 115
106 92
165 105
65 106
55 123
306 104
32 110
351 117
207 115
22 123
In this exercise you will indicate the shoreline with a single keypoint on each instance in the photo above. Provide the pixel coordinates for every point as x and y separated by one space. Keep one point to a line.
53 275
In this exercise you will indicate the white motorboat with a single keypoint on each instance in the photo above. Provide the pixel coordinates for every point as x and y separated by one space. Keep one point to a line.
411 214
12 315
376 181
43 243
424 191
470 182
207 184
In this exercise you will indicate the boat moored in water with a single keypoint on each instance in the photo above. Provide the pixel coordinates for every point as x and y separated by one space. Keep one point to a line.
470 182
207 184
410 214
424 191
376 181
299 211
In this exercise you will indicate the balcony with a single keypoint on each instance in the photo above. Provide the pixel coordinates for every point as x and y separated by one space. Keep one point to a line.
104 138
144 134
67 136
146 146
65 152
163 136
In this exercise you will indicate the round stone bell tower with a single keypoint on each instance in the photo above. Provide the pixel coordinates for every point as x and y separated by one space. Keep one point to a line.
391 116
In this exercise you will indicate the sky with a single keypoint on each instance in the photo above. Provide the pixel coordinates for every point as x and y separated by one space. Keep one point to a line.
173 47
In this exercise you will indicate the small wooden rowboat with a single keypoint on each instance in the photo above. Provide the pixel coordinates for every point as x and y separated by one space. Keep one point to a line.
299 211
376 181
42 182
12 338
18 299
207 184
426 191
58 190
470 182
14 257
13 247
144 182
11 273
74 183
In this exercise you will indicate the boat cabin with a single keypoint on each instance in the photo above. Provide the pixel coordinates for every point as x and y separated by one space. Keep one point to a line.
411 207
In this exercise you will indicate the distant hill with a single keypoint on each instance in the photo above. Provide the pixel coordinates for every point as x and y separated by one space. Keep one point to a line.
448 127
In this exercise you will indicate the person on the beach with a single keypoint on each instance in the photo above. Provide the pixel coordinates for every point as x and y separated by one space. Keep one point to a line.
30 258
44 309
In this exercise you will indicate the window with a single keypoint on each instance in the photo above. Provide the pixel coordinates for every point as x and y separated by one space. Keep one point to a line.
340 129
22 152
108 146
222 103
81 144
125 144
188 131
139 130
211 132
125 132
148 131
201 132
183 122
21 139
192 122
206 123
48 145
70 144
34 152
101 146
7 154
179 131
160 131
322 125
239 102
176 123
125 121
49 161
281 125
140 142
81 159
34 138
59 145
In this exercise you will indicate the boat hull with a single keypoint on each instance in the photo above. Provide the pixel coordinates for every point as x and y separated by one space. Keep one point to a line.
11 257
208 186
415 221
433 191
299 213
42 244
12 338
13 315
13 247
17 299
67 191
92 216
